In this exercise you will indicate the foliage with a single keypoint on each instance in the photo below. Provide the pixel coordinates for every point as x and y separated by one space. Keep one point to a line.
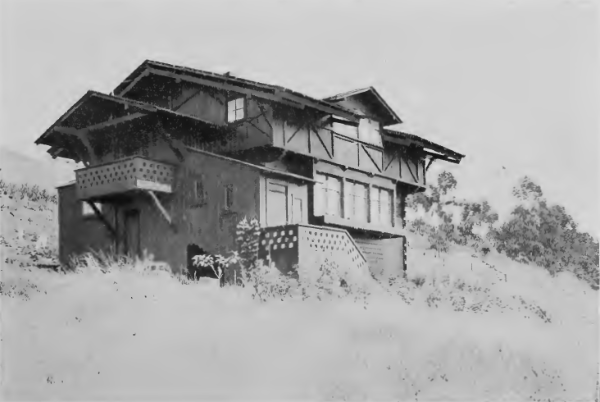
34 193
535 233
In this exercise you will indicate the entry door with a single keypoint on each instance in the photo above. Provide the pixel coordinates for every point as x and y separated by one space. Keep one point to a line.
132 233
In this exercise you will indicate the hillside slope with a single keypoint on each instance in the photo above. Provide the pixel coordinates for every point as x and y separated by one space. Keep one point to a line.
461 328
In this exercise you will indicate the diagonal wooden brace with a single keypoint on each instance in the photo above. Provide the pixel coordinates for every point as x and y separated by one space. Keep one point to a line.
110 228
162 209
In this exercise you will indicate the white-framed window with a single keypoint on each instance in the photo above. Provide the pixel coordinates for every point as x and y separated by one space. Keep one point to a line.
381 206
358 200
236 109
328 195
87 211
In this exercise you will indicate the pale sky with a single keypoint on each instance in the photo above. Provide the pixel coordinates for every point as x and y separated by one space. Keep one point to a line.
508 83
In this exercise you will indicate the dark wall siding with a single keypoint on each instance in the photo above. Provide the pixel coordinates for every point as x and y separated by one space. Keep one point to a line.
78 234
207 222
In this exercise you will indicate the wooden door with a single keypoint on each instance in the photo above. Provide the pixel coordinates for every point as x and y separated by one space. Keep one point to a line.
297 209
132 233
277 203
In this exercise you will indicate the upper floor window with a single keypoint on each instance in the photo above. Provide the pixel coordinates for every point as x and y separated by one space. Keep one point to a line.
236 109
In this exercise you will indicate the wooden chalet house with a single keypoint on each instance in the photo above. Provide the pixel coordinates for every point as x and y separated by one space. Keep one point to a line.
176 157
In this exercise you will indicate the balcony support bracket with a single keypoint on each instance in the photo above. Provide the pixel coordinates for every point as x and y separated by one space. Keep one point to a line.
161 208
103 219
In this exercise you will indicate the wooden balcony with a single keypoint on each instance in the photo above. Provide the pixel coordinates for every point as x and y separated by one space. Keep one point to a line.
135 173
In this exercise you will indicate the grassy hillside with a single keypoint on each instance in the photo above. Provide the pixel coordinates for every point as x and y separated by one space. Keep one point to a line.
463 326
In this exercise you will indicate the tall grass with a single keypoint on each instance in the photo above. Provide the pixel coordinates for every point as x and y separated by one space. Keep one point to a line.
33 193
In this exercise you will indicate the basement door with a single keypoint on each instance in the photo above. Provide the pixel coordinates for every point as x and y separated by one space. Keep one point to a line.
132 233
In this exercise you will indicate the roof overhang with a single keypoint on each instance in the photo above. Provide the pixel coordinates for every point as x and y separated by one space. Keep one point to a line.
385 114
428 147
95 111
228 82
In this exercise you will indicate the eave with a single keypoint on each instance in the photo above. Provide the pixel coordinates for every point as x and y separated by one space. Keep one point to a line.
428 147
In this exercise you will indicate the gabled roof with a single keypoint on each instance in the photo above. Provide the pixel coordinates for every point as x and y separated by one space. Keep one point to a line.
372 97
291 97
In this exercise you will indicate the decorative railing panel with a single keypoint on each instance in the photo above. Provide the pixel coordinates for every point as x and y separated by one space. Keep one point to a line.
310 246
136 173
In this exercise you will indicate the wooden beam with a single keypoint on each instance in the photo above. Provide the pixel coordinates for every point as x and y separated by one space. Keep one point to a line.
321 141
370 157
160 207
430 162
112 230
297 102
223 86
441 157
116 121
133 83
82 136
54 151
167 137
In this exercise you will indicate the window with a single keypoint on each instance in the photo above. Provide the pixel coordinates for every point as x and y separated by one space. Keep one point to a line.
87 211
328 195
358 204
235 110
199 193
381 206
228 196
277 205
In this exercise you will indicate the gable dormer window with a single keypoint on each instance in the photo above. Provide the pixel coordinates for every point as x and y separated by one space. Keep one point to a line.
236 109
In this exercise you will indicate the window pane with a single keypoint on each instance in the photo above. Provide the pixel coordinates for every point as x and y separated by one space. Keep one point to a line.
375 197
239 114
239 103
231 106
386 207
231 116
333 203
360 202
319 199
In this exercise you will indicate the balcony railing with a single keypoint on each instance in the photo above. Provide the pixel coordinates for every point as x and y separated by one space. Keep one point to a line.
136 173
310 246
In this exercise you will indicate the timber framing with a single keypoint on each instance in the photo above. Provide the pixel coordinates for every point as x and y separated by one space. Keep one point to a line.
228 82
103 219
